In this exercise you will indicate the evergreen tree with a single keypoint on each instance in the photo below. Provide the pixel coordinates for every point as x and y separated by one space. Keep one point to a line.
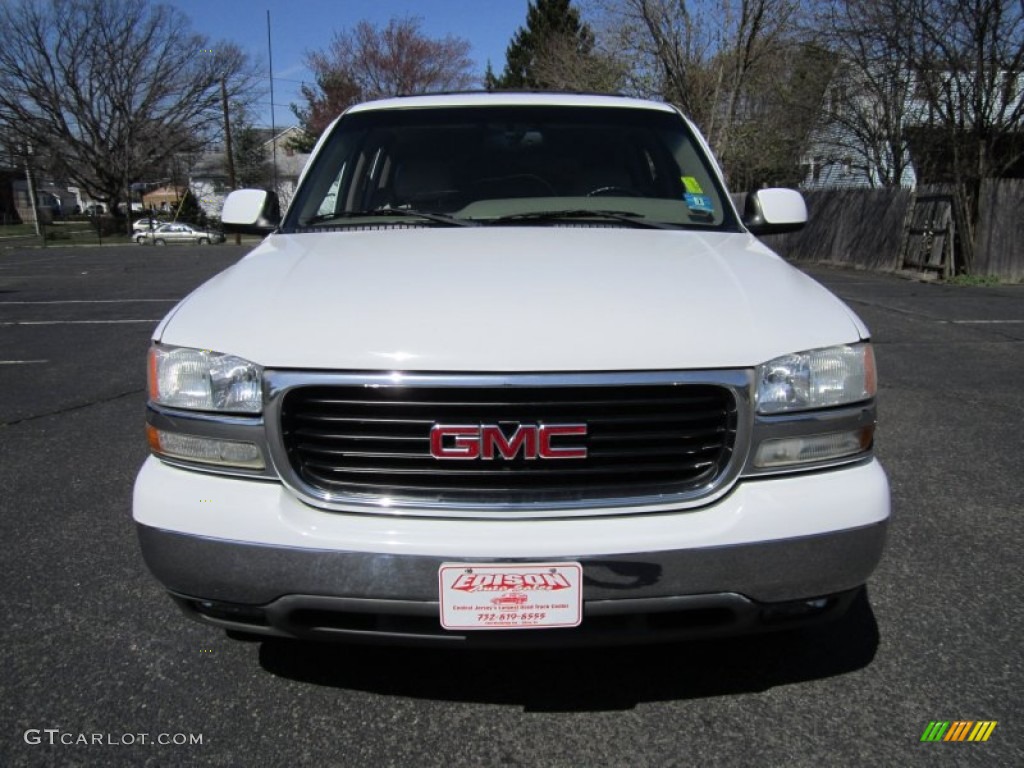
190 211
550 25
250 155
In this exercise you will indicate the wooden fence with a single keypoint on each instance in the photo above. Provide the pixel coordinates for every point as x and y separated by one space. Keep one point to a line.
877 229
999 242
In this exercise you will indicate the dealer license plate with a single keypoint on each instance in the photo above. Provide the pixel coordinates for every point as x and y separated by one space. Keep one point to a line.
510 595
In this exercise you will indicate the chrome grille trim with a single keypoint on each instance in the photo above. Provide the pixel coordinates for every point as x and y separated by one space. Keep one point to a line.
656 497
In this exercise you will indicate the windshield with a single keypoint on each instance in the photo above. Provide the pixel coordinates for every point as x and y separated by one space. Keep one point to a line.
511 166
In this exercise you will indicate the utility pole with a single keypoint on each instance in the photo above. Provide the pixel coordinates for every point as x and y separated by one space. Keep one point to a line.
273 127
227 143
30 181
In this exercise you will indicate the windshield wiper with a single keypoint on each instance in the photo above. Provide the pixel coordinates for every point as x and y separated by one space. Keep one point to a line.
440 218
626 217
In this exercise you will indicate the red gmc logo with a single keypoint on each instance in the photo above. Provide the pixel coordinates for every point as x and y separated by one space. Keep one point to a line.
488 441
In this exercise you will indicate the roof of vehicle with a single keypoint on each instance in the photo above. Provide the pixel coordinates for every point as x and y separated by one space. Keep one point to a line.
510 98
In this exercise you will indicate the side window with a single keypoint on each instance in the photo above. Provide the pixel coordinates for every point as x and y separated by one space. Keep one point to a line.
329 204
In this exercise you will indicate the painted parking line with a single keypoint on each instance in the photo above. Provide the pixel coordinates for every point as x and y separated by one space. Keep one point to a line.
91 301
23 362
42 260
75 322
984 322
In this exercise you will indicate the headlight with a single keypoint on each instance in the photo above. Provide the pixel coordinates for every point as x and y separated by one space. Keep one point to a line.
202 380
820 378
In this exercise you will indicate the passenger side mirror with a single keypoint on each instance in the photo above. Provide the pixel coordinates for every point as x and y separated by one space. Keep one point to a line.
774 211
251 212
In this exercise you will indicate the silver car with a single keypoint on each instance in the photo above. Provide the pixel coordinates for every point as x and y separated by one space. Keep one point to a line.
178 233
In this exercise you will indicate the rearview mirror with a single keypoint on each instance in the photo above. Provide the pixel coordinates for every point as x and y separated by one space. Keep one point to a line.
251 212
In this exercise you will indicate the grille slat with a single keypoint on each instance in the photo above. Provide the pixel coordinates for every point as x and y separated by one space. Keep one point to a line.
641 440
536 474
649 403
456 418
510 493
425 457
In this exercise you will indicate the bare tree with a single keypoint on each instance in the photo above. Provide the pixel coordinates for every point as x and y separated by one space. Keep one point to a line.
866 109
774 115
712 58
938 82
332 94
111 90
370 62
668 50
968 58
561 66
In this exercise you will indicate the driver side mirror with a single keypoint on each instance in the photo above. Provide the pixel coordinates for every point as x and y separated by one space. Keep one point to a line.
251 212
774 211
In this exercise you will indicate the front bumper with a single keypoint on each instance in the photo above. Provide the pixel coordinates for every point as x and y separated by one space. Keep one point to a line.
640 598
246 555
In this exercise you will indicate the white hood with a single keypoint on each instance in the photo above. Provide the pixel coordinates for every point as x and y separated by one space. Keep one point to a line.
509 299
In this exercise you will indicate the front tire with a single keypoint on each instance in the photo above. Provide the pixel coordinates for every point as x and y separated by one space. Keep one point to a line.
158 241
204 241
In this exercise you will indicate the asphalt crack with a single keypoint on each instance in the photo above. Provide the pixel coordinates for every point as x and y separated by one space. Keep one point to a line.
72 408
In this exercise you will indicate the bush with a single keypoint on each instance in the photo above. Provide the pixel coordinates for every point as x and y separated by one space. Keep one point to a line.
975 280
108 225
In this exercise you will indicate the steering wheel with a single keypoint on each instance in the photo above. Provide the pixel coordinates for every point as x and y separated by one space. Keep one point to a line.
612 191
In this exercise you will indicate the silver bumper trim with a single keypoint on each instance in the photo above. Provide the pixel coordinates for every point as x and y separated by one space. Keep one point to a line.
253 574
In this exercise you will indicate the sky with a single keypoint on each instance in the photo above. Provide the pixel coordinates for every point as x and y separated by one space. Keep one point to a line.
298 26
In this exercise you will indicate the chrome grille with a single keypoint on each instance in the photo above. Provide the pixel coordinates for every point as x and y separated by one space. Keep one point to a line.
366 441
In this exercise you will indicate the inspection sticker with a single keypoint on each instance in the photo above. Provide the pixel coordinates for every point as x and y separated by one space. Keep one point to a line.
510 595
699 203
692 185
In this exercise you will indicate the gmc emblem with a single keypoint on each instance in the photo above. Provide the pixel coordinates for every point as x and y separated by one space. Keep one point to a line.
488 441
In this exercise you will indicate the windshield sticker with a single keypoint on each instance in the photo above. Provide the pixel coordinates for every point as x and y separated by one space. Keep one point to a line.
692 185
699 203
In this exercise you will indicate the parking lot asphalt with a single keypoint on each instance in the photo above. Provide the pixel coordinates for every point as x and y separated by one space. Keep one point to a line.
93 649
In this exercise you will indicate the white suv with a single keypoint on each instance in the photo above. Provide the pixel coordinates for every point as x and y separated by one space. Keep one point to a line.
511 369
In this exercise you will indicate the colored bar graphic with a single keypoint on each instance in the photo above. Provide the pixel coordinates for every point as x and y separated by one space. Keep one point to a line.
982 730
935 730
958 730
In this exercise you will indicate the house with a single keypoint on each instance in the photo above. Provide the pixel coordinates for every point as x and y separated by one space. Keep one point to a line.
208 180
53 199
879 130
165 198
860 140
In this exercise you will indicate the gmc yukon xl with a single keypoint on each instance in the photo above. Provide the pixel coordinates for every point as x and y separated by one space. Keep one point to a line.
511 369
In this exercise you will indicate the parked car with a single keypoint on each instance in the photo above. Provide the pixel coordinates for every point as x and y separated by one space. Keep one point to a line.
147 224
512 342
178 233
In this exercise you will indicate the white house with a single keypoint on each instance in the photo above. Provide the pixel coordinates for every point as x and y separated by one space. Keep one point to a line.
865 137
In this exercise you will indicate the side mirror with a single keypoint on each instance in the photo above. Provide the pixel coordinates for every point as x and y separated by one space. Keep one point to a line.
774 211
251 212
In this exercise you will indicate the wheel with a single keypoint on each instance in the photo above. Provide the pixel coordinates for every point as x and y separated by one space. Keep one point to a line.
159 241
204 241
612 191
140 239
